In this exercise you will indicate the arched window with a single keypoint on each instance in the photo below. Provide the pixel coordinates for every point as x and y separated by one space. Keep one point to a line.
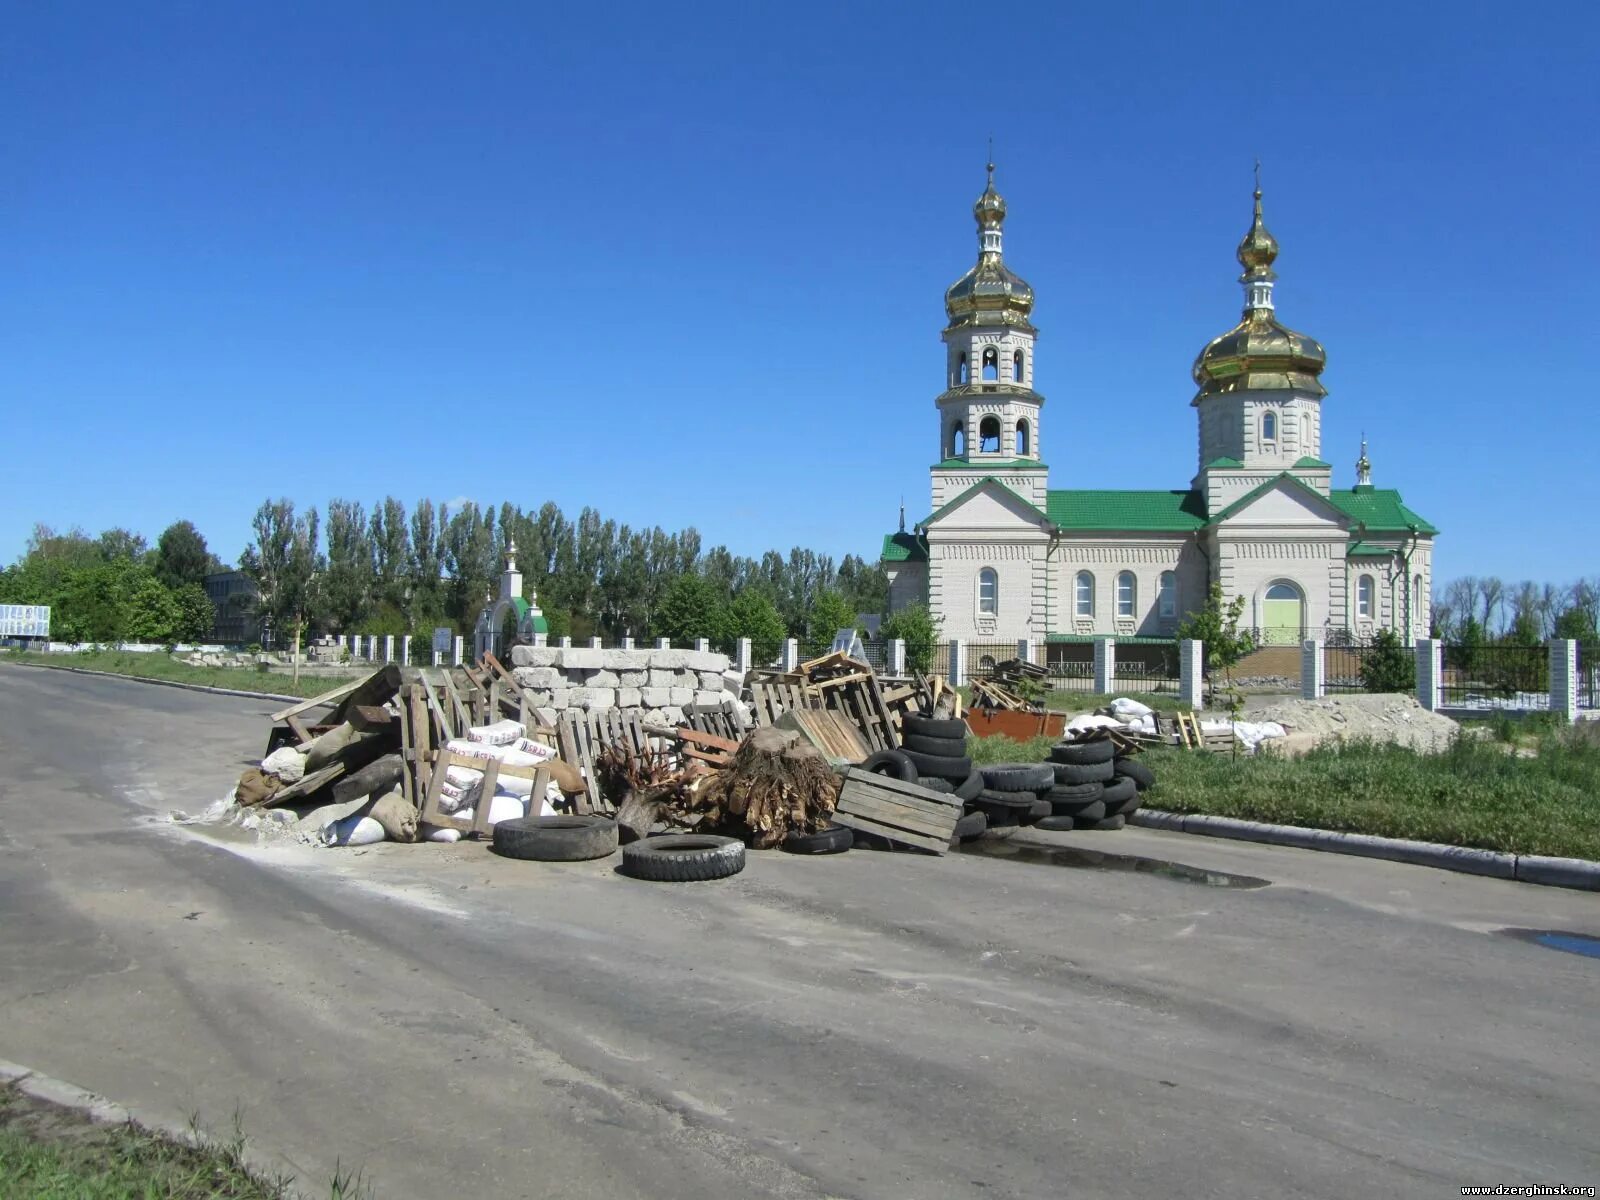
988 592
958 440
989 434
1366 593
1022 436
1269 427
991 365
1016 367
1127 594
961 368
1083 594
986 664
1167 602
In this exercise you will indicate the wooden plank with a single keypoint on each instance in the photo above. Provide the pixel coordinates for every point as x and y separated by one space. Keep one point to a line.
906 791
328 697
297 728
919 840
446 726
363 717
486 790
899 816
408 749
306 785
421 734
463 715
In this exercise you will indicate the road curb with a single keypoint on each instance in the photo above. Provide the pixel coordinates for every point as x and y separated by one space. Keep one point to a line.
172 683
1540 869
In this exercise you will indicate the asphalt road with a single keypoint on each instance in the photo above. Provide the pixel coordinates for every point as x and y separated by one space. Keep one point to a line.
867 1025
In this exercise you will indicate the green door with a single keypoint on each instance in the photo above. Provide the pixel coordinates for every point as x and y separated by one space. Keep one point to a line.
1282 621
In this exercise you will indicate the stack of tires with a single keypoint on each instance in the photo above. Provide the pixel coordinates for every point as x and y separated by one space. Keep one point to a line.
1095 788
1014 794
936 747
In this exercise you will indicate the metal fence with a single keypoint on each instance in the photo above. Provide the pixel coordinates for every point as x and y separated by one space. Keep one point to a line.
984 657
1588 676
1496 678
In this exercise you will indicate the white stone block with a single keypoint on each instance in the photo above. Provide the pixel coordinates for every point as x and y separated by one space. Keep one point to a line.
537 677
667 660
547 716
733 681
672 715
711 698
633 678
656 697
626 660
711 680
681 696
601 678
582 659
661 677
591 698
629 697
705 660
558 700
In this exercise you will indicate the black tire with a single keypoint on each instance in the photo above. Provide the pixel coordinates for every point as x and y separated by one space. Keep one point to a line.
1121 797
1040 811
936 764
953 728
969 828
1055 824
1131 768
1017 777
835 839
970 787
683 858
1082 754
1070 773
1076 805
934 784
1019 801
555 839
894 763
1106 825
938 747
1092 811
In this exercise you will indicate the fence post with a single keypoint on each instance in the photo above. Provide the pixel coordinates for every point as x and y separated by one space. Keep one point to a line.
1564 677
741 656
1191 672
663 643
565 643
958 662
791 653
897 656
1025 649
1313 670
405 650
1430 670
627 643
388 647
1105 665
594 643
437 657
455 659
702 644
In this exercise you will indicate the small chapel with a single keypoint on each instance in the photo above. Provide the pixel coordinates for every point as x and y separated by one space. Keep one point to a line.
1003 556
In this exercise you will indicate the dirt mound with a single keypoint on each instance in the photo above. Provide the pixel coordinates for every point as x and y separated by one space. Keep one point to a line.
1381 718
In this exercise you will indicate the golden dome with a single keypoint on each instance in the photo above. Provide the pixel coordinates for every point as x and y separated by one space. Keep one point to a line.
990 293
1259 248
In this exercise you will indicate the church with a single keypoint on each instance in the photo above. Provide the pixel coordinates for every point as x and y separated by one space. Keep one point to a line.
1003 556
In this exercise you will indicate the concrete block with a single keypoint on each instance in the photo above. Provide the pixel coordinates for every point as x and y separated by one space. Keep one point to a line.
558 700
661 677
711 680
705 697
733 681
632 678
591 699
537 677
655 697
546 715
667 660
534 656
705 660
540 697
582 659
601 678
680 696
629 697
672 715
627 660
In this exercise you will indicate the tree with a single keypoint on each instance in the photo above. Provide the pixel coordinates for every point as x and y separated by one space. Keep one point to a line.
1387 665
829 613
286 566
196 617
916 626
1577 624
181 556
122 544
391 552
149 611
348 585
754 616
691 609
1217 626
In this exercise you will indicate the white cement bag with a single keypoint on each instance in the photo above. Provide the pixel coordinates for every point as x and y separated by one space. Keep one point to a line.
1129 710
1253 733
438 833
537 750
461 777
1092 721
354 830
501 808
285 763
508 755
501 733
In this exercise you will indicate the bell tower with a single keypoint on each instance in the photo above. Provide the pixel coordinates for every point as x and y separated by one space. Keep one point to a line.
989 412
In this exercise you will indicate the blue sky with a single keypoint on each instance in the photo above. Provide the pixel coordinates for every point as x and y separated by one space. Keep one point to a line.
686 265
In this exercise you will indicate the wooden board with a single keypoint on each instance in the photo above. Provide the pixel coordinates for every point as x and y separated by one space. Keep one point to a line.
492 769
900 812
826 731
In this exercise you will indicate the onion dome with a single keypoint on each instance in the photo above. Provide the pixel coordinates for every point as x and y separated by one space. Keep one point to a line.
990 293
1259 353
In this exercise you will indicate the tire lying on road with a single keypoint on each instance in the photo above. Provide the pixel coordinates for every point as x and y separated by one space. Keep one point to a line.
1040 811
894 763
953 728
1131 768
1055 824
835 839
1069 773
1073 799
971 787
1082 754
1017 777
555 839
683 858
1107 824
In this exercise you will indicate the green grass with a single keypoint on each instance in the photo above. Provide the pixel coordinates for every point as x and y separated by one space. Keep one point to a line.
158 665
1475 794
985 751
50 1153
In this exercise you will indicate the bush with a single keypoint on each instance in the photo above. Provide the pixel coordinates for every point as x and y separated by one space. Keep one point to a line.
1388 665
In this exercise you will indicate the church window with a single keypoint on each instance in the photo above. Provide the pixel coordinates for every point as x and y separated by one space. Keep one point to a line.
989 434
961 368
1022 437
1083 594
958 440
1168 600
1127 594
1366 590
986 664
991 365
1269 427
1016 367
988 591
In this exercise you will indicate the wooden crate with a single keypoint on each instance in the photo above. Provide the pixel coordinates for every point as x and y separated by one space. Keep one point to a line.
901 812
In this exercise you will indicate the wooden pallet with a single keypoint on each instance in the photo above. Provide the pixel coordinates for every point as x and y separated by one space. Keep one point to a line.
492 769
724 720
829 732
903 813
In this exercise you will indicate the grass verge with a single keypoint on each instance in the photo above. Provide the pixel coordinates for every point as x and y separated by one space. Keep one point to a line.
53 1153
157 665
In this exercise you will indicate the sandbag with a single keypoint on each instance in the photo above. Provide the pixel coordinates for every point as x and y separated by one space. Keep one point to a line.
355 830
1129 710
256 788
397 815
567 778
501 808
501 733
438 833
378 776
286 763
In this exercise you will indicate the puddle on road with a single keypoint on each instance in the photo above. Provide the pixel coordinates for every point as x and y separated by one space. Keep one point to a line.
1097 860
1558 939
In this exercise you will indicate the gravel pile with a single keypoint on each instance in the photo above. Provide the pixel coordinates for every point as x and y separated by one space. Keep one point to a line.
1378 718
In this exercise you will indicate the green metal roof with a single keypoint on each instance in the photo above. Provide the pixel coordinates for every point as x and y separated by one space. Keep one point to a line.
1379 509
1009 464
950 504
903 547
1138 640
1308 461
1224 461
1177 512
1368 550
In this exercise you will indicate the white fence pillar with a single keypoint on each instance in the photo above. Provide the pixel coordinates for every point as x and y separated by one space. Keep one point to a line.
702 645
791 653
355 646
741 656
627 643
1564 677
437 657
388 647
958 662
455 653
663 643
565 643
405 650
594 643
1191 672
1105 665
1430 672
897 656
1313 669
1025 649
